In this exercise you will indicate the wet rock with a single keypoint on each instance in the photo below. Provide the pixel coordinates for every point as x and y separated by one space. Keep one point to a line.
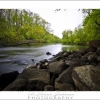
87 78
7 78
57 67
32 60
48 88
18 85
66 87
48 53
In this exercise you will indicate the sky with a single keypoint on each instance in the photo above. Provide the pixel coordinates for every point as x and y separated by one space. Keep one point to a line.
60 20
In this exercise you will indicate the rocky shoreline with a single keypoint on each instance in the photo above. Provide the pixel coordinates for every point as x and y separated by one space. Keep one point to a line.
66 71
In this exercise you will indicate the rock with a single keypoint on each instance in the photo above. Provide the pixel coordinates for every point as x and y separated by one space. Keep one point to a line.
18 85
87 78
36 79
81 51
46 64
48 53
48 88
53 76
98 58
57 85
66 75
98 51
91 58
74 56
35 85
88 54
66 87
95 43
32 60
44 61
7 78
57 67
84 58
40 66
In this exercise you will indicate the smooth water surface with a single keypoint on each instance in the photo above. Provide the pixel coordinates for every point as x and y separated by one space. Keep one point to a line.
18 58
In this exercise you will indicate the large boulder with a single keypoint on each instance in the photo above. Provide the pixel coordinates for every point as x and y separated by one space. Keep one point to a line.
36 79
18 85
66 75
57 67
7 78
87 78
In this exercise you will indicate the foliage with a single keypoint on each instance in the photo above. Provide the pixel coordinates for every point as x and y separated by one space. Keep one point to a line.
19 25
89 30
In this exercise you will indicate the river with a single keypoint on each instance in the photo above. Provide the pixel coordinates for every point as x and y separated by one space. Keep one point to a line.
18 58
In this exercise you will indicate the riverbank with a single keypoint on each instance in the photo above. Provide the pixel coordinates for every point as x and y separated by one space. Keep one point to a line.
78 70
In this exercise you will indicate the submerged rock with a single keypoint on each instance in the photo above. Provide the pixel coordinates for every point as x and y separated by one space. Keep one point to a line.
48 53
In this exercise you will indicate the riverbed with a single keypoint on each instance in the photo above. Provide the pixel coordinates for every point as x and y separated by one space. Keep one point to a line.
18 58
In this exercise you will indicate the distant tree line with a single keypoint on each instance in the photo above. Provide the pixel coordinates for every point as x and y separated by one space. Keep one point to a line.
89 30
20 25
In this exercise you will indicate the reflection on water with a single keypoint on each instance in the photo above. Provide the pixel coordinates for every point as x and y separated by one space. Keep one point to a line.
72 47
18 58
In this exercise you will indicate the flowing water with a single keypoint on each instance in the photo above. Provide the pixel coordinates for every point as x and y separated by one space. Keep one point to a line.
18 58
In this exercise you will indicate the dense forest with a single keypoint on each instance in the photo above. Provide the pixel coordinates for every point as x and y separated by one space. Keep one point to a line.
20 26
89 30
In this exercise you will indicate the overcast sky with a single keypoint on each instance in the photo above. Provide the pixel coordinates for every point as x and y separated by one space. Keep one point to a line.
60 20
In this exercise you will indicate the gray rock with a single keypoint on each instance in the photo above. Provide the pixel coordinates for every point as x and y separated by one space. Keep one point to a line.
57 67
48 88
66 75
87 78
